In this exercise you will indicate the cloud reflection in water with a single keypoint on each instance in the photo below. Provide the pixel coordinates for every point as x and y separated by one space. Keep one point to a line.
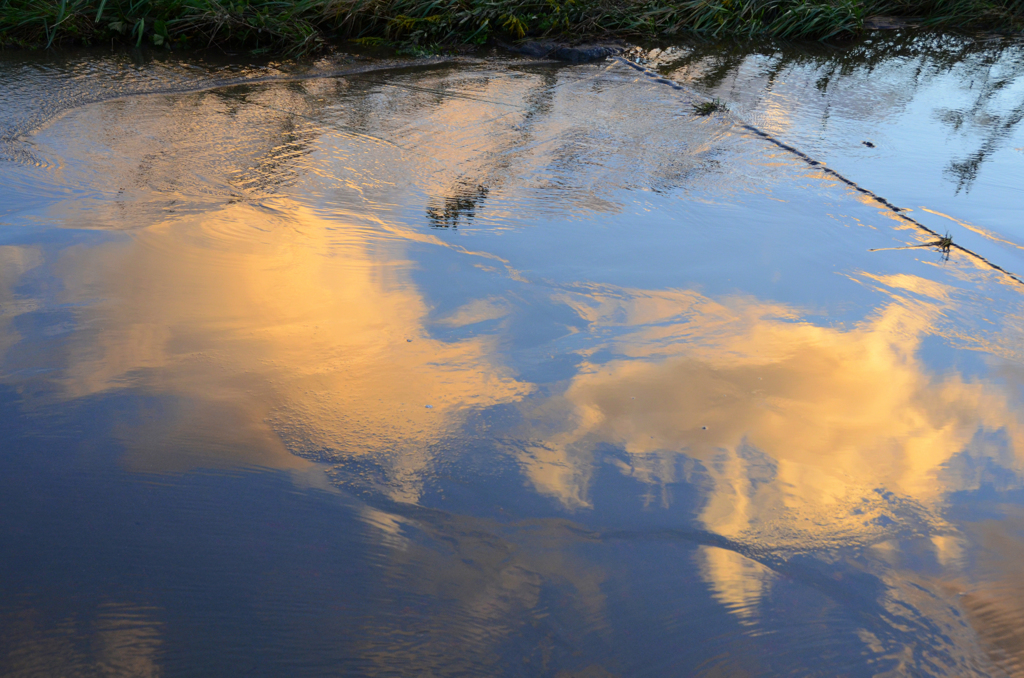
267 300
804 429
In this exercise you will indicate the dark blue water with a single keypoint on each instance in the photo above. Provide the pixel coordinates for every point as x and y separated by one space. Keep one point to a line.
498 367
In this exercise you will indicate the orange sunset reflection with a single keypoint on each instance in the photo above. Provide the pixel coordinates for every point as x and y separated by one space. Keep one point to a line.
306 339
797 424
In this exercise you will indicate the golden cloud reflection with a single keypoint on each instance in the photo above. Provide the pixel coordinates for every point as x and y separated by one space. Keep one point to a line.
297 337
737 582
809 434
800 438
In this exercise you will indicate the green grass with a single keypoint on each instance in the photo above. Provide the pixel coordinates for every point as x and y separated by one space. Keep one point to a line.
299 27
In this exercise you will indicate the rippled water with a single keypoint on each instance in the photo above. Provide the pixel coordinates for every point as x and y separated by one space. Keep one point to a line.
499 367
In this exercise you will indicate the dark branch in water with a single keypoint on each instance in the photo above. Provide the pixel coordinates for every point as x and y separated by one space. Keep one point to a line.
945 243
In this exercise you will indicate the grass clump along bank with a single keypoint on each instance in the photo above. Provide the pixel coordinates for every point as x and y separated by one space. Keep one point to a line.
299 27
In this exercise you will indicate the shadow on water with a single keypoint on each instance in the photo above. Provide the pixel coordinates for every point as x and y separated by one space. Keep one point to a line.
500 368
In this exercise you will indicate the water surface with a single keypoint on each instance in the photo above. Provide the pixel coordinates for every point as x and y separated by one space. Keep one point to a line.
499 367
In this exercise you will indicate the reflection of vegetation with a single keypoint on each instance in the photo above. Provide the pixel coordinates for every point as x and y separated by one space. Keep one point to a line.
288 138
303 26
709 107
986 71
460 206
999 128
712 63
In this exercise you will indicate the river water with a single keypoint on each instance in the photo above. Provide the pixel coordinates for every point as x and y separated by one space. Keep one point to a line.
488 366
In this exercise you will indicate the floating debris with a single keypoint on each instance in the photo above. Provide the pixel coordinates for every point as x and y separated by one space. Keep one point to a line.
709 107
944 243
